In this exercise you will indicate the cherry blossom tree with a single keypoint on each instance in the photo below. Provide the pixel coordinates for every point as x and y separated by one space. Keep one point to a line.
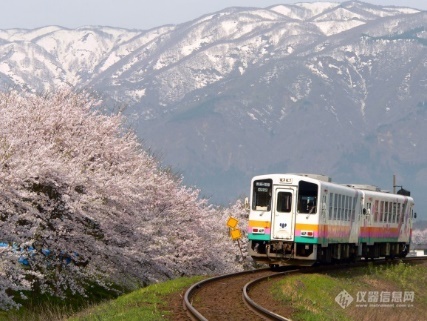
81 201
419 237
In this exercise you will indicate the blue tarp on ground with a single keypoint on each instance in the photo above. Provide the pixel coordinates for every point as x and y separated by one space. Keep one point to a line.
23 259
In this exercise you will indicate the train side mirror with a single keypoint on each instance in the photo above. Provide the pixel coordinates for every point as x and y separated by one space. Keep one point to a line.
364 211
247 203
415 215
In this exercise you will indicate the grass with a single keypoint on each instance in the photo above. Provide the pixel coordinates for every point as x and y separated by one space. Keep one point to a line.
43 307
149 303
312 296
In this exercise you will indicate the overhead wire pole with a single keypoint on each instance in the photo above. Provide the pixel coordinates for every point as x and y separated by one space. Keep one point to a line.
394 184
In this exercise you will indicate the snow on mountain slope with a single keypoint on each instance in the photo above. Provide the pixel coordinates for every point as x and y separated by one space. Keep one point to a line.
304 11
247 90
216 44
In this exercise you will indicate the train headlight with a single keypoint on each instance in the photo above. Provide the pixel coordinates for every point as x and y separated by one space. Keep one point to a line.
307 233
258 230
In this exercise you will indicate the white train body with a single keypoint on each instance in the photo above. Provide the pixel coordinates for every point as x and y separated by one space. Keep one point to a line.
305 218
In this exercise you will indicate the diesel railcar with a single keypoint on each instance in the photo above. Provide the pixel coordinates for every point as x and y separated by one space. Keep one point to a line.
306 218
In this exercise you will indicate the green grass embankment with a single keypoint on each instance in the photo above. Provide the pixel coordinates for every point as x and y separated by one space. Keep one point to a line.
387 292
374 293
148 304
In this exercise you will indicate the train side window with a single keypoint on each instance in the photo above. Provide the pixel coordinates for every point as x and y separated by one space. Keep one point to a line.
369 207
388 211
344 201
307 197
349 202
342 208
387 208
399 208
381 211
343 197
385 211
376 211
394 212
339 207
353 210
335 206
347 206
331 204
404 209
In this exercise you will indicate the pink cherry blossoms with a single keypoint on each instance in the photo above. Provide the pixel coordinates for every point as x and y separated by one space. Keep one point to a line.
81 201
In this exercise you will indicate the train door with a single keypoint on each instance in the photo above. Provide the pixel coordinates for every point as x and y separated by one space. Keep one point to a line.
365 221
283 220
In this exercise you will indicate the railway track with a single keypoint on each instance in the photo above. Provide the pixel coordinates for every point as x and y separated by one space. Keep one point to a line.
227 291
228 297
266 312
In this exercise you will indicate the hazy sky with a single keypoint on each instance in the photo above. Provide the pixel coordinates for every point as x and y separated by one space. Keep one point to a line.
131 14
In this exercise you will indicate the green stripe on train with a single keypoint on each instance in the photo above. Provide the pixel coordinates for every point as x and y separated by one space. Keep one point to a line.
307 240
378 239
259 237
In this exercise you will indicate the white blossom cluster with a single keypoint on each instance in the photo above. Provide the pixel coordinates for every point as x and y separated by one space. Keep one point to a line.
419 237
81 201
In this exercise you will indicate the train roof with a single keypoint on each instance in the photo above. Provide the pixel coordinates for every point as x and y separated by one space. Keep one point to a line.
326 179
319 177
365 187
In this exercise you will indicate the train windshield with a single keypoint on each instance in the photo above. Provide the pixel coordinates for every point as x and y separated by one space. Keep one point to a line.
261 199
307 197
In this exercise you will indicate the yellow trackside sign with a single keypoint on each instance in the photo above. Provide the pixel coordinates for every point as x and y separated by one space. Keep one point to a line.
235 234
232 222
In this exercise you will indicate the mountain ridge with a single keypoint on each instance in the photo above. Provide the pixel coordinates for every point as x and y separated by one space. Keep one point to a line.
245 91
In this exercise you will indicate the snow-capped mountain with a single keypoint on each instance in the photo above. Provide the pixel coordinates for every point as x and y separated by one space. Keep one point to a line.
332 88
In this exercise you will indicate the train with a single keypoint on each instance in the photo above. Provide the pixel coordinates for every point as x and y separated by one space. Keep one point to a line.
303 219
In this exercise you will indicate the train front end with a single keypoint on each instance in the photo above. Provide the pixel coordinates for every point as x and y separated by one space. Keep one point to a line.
274 235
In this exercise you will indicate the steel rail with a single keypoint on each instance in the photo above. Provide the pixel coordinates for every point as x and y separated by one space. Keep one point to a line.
191 310
258 308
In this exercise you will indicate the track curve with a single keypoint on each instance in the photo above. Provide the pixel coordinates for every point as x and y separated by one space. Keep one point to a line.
227 290
257 307
231 293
